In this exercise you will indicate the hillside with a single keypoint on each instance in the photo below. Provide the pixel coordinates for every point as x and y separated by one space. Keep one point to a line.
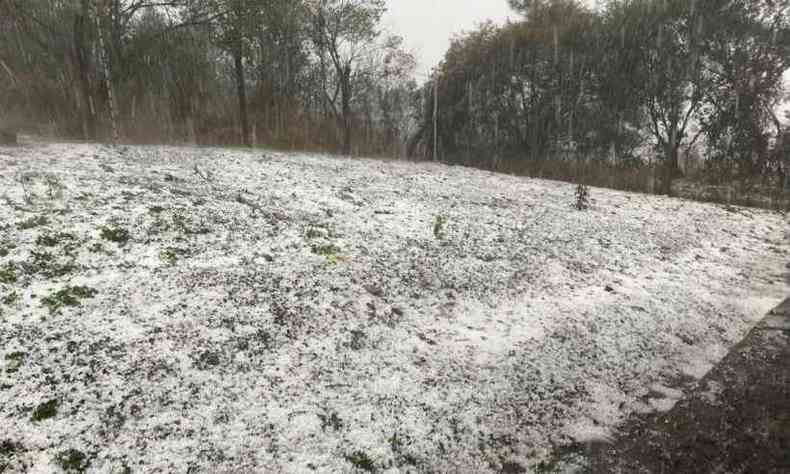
210 310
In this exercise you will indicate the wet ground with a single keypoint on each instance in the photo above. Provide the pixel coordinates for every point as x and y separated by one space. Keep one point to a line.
735 420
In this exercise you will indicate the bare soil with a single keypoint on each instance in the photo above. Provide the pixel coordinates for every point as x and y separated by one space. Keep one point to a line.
736 420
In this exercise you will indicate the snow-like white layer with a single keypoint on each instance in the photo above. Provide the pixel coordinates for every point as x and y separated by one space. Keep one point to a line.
311 316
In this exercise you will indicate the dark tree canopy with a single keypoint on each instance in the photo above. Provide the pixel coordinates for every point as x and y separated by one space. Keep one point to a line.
645 91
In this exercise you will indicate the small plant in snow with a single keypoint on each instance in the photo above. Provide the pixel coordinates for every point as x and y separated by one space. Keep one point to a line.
69 296
316 233
73 460
582 197
439 224
45 411
14 361
361 460
46 264
10 298
170 255
35 221
51 240
329 251
118 235
8 274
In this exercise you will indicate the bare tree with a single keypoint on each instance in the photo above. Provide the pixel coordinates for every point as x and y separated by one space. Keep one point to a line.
342 32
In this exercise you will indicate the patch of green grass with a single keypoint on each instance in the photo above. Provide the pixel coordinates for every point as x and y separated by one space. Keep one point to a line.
46 264
72 460
4 251
45 410
119 235
10 298
69 296
8 274
51 240
170 255
156 209
439 224
316 232
33 222
15 360
329 251
361 460
326 249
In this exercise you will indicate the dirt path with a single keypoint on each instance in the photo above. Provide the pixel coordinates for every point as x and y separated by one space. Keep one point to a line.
736 419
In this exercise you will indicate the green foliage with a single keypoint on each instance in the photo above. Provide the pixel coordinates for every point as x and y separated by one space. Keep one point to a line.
439 225
45 410
10 298
330 251
73 461
8 274
170 255
115 234
32 222
361 460
14 361
315 232
51 240
571 84
48 265
68 296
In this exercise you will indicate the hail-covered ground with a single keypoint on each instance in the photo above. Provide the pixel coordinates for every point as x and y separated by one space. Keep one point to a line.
170 309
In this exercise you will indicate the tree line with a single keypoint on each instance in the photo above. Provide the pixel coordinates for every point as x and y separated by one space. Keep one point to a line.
630 91
666 86
292 73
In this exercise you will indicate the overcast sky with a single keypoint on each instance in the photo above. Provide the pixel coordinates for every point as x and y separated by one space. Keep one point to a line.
427 25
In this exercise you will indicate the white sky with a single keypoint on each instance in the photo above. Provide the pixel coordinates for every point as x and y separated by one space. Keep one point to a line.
428 25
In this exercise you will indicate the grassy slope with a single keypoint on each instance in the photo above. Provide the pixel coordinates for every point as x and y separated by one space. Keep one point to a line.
176 308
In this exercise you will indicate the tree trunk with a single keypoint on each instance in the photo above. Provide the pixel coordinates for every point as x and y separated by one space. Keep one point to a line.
83 66
103 55
671 167
346 99
241 91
